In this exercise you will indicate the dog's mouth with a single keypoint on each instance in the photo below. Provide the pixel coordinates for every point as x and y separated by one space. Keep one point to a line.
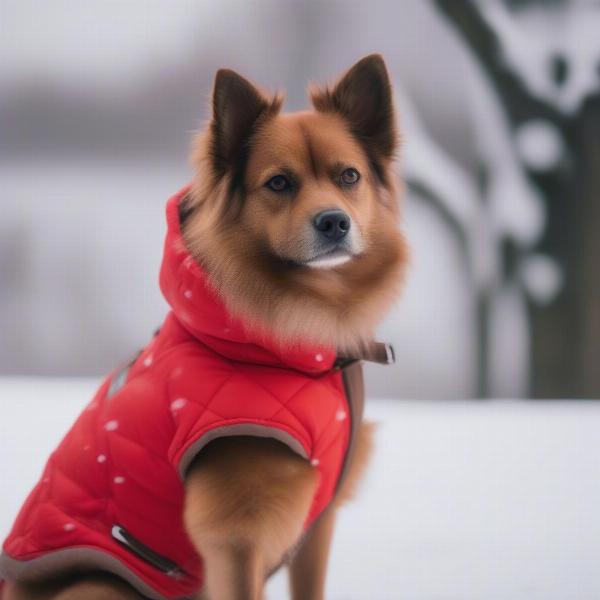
330 259
321 256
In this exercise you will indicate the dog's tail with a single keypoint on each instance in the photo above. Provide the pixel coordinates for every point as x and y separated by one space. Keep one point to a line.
363 448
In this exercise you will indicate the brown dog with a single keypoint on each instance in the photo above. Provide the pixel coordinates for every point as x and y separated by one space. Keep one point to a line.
295 218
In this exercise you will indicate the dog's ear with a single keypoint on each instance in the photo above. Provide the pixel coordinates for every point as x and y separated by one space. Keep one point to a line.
237 107
363 96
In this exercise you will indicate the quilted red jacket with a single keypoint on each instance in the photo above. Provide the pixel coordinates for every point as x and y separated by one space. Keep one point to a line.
111 494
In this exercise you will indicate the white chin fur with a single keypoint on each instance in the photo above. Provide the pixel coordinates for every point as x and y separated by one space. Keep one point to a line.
329 261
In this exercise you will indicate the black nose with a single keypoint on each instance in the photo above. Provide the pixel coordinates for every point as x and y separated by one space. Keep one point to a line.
332 224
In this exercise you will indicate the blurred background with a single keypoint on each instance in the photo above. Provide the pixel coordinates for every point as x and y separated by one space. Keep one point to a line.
499 103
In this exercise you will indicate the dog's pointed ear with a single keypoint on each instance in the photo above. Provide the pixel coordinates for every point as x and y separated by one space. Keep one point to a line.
363 96
237 106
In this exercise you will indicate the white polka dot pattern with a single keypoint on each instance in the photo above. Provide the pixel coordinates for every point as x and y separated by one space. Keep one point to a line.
178 404
340 415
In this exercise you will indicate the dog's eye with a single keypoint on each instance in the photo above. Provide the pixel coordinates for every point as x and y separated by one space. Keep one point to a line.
350 176
279 183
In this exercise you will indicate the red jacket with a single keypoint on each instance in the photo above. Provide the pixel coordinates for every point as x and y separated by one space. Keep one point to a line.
111 495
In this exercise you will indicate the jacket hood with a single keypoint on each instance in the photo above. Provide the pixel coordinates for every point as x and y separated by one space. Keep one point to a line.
202 312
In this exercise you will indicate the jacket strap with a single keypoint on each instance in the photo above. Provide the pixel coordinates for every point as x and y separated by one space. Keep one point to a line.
377 352
354 388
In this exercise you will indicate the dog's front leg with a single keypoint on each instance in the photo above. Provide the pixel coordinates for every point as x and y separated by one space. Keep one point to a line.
308 567
246 502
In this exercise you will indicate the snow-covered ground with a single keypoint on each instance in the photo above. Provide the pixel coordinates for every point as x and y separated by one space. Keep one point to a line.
465 500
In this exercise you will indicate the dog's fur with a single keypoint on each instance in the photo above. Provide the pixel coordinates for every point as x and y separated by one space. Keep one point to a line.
247 498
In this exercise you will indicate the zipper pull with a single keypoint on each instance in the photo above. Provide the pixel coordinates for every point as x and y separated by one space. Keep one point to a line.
148 555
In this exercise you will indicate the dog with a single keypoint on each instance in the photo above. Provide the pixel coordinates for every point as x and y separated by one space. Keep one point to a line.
224 449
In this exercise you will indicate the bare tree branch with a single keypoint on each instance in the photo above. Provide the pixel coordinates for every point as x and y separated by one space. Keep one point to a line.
486 47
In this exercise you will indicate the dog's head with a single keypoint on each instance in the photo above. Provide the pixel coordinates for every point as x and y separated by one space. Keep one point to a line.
295 216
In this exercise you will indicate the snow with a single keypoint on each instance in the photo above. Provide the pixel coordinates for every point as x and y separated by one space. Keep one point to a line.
540 144
510 343
517 209
464 500
542 277
515 212
432 327
531 40
424 162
